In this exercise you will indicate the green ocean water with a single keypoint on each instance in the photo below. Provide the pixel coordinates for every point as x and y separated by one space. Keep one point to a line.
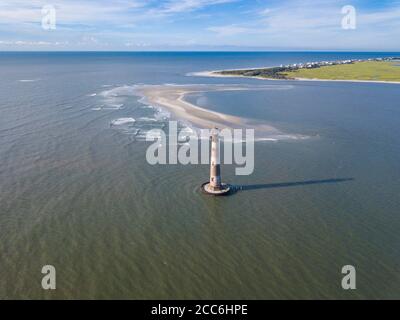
77 193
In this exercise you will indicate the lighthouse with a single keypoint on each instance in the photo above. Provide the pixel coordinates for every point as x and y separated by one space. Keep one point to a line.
215 186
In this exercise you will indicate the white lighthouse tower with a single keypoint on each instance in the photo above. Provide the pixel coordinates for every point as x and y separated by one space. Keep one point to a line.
215 186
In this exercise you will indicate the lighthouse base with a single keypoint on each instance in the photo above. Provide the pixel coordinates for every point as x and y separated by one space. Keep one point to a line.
221 191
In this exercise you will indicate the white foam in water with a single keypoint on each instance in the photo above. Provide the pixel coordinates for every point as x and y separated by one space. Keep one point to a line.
147 119
162 114
114 106
115 98
290 137
122 121
118 91
152 134
28 80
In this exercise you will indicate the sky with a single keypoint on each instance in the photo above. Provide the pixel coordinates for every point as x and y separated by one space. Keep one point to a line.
199 25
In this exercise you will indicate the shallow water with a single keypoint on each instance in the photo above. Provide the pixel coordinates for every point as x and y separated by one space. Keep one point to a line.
76 191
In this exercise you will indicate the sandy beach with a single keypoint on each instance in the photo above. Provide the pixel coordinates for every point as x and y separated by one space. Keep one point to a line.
215 74
172 98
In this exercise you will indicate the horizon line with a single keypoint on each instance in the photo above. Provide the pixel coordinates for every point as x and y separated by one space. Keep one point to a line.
194 51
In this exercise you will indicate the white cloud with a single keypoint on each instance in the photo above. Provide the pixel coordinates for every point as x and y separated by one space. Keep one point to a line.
229 30
141 23
265 12
175 6
315 25
72 11
34 43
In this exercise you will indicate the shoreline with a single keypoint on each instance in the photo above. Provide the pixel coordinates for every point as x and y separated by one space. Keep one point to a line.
172 98
213 74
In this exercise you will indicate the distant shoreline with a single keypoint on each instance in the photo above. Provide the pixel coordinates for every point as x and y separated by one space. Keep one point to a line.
312 70
214 74
217 74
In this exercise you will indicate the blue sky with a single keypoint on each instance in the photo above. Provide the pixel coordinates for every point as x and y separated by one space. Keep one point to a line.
139 25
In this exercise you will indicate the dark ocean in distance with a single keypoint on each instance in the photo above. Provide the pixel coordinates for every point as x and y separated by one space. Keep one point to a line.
76 191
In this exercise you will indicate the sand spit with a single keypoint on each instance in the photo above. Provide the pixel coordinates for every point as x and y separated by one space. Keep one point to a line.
172 98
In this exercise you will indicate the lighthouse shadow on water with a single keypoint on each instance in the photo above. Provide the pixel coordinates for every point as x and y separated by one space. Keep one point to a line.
249 187
216 187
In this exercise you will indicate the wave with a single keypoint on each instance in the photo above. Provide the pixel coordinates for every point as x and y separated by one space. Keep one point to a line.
143 122
122 121
147 119
29 80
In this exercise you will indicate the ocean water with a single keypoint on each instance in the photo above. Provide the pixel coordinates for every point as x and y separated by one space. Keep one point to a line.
77 193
